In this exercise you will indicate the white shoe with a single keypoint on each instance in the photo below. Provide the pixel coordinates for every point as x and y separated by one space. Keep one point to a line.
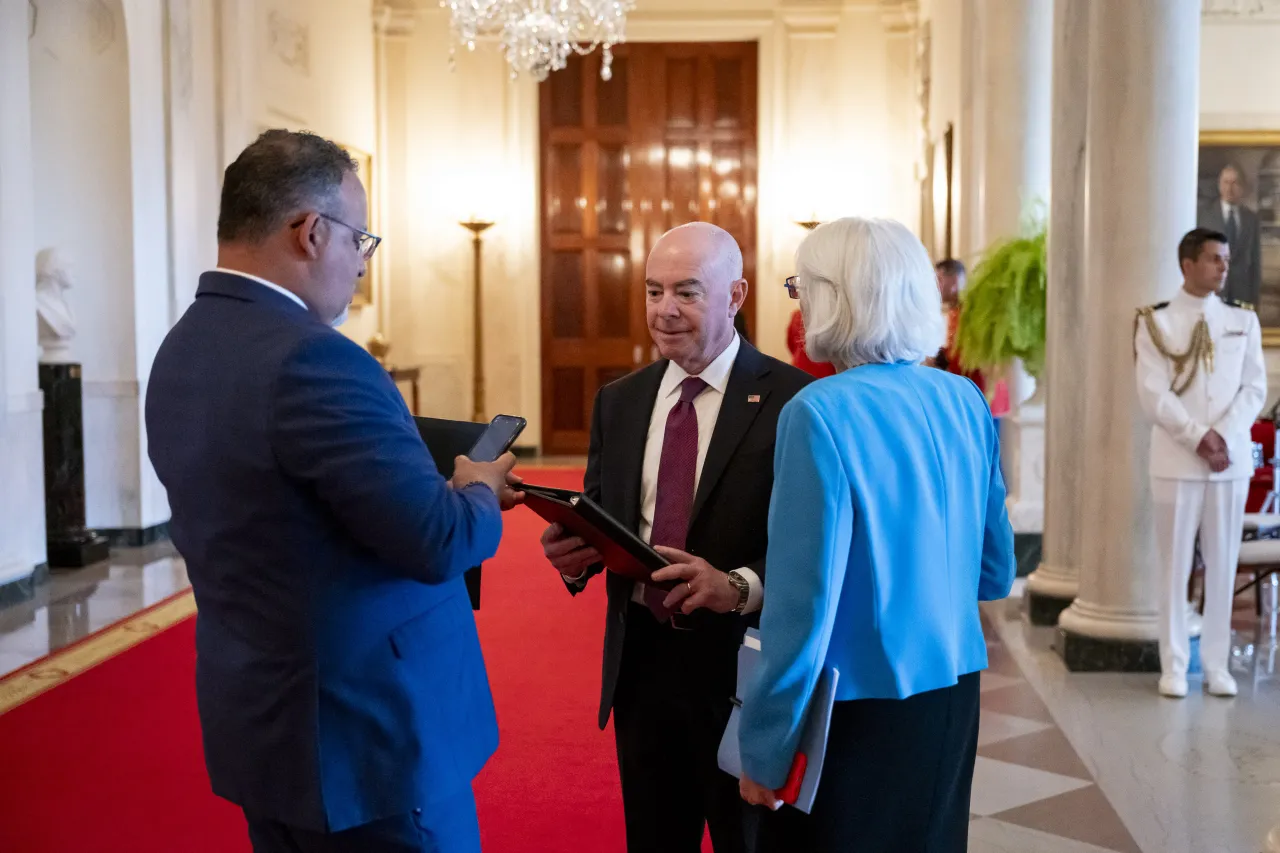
1173 686
1220 683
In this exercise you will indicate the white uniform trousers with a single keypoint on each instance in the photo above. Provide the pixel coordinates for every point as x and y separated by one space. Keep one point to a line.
1216 510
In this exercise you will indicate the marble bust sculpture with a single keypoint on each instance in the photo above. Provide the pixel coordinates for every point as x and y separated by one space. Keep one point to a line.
56 321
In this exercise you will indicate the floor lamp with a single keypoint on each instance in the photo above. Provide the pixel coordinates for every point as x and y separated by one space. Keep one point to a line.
477 227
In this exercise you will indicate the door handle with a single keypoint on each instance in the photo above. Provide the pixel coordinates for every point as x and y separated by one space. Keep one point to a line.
635 354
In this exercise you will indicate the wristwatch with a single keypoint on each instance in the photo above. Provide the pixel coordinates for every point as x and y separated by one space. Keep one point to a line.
744 590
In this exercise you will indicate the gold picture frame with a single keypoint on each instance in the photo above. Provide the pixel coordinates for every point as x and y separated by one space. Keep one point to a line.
1256 155
364 170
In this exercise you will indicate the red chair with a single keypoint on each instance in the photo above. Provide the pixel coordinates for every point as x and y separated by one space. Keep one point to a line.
1264 433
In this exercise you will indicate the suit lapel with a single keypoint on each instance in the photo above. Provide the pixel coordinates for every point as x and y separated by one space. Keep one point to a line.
744 397
632 431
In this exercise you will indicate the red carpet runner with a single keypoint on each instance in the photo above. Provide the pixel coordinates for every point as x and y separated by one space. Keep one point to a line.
111 760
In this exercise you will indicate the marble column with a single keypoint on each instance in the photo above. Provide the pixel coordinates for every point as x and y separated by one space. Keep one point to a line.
1016 44
1052 586
1140 153
22 546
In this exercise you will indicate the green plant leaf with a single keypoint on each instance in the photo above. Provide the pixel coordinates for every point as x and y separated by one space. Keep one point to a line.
1002 311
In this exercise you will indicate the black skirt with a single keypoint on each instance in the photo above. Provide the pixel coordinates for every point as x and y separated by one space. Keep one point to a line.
896 779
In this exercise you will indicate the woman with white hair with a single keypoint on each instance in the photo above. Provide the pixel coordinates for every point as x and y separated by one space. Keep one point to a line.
887 527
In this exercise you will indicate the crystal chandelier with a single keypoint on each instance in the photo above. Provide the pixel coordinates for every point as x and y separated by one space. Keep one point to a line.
537 36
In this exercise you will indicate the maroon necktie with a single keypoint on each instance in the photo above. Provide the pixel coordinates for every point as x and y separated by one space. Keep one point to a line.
676 473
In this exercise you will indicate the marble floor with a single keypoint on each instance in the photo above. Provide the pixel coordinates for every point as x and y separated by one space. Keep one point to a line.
74 603
1198 775
1067 763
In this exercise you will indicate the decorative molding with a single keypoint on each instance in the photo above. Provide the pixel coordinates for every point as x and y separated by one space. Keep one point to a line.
395 18
135 537
25 583
697 26
1245 10
810 20
290 41
120 388
100 25
179 52
900 17
31 401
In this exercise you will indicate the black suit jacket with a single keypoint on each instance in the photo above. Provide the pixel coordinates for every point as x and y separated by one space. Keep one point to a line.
729 523
1244 276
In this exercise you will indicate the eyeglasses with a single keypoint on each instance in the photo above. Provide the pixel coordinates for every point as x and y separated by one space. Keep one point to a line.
791 284
366 243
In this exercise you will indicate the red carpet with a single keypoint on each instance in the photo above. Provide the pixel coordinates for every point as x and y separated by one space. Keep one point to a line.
111 760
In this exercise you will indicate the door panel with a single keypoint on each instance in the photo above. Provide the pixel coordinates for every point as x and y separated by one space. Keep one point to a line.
671 138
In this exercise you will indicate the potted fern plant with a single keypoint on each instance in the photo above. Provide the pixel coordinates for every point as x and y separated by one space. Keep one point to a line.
1001 328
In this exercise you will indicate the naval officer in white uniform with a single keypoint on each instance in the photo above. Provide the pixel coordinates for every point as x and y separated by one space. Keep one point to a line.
1202 380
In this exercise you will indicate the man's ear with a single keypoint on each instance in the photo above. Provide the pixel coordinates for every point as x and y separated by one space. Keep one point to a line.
738 294
308 235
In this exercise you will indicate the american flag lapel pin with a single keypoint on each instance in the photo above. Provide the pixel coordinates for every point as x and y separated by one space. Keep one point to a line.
753 398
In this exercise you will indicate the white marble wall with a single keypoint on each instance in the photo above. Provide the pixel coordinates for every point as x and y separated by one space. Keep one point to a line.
305 65
101 197
22 540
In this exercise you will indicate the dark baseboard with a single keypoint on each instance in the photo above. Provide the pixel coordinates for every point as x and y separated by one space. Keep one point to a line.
135 537
23 589
1045 609
1026 551
525 452
1092 654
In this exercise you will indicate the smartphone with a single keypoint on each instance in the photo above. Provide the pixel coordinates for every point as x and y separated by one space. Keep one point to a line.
497 438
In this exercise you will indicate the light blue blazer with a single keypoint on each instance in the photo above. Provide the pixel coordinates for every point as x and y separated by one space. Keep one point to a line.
887 526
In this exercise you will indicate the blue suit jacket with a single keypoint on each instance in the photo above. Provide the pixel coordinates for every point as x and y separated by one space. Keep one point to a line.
886 527
339 675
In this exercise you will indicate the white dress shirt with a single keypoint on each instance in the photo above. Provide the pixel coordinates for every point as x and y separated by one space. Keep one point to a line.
1227 211
262 281
707 407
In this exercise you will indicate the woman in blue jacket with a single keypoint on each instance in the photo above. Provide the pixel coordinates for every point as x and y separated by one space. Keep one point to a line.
887 527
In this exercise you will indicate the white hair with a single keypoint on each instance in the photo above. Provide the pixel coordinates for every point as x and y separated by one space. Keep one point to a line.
868 294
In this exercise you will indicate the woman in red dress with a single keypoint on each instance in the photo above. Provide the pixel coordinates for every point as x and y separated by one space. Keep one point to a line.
800 358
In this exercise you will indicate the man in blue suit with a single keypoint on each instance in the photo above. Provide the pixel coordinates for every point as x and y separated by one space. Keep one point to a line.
341 688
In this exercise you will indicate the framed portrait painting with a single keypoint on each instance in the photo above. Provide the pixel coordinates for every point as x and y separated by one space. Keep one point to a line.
364 169
1238 193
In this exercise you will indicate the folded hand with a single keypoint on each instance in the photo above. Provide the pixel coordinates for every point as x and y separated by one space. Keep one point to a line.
570 555
704 585
758 795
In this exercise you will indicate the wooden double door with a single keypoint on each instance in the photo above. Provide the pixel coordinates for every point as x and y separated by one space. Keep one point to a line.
671 138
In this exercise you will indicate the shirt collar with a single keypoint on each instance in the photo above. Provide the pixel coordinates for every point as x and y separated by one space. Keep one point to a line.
715 375
1200 303
277 288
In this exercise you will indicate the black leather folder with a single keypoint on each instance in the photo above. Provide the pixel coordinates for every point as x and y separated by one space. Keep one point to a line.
624 552
447 440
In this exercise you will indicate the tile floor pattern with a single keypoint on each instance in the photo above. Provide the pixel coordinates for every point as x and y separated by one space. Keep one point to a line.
1032 791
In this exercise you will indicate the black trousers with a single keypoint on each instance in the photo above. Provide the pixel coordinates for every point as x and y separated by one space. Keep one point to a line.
449 826
670 711
896 779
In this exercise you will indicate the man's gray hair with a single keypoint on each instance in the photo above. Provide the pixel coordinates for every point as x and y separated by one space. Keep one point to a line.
868 294
280 174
